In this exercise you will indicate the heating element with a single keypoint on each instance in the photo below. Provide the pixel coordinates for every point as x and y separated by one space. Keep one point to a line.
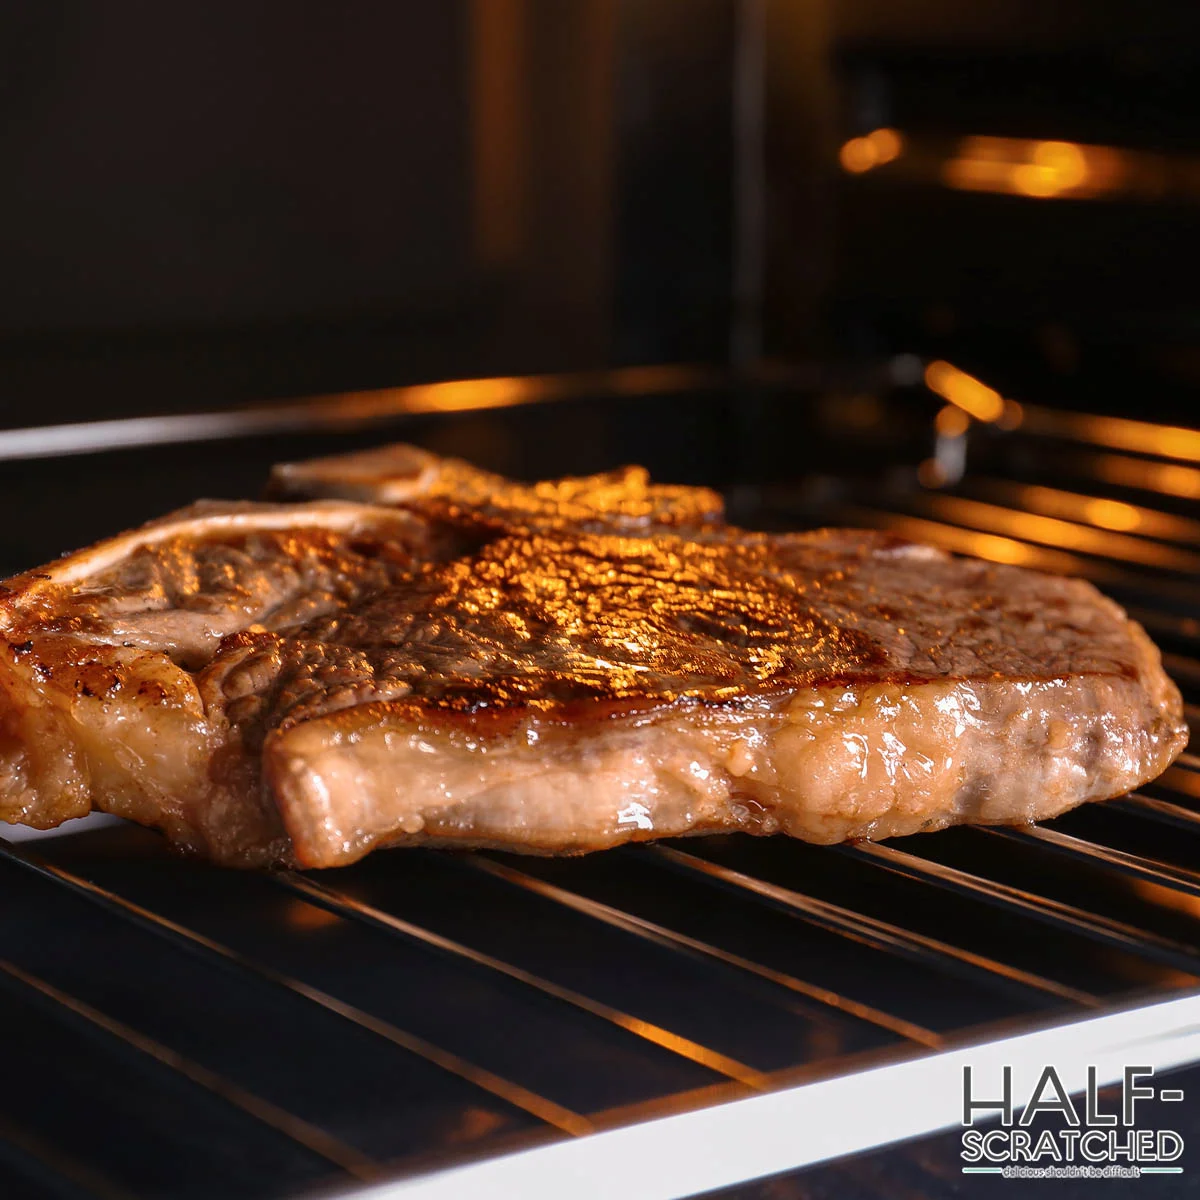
178 1030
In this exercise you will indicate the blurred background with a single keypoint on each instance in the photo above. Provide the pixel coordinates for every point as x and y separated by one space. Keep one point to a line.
815 199
252 200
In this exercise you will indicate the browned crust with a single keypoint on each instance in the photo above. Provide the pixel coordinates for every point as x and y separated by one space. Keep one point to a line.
487 720
574 605
592 628
1098 760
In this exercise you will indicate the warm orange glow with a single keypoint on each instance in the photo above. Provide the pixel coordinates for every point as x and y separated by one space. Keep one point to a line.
982 545
976 175
999 549
862 153
463 395
888 144
952 422
1165 897
1039 169
1108 514
1167 478
1181 780
1119 433
1098 511
1166 440
457 395
1065 160
1032 180
965 391
304 916
856 156
468 394
1112 514
1065 535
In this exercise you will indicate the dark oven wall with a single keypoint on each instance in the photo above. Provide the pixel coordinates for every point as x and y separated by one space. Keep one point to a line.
241 202
224 207
256 202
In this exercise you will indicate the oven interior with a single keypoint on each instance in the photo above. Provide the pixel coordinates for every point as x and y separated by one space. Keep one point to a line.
186 1031
928 268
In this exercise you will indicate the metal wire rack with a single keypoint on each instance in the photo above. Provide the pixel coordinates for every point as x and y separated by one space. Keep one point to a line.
176 1030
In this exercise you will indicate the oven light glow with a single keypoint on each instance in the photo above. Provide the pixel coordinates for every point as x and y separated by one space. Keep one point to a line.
1033 168
1039 169
965 391
862 153
999 549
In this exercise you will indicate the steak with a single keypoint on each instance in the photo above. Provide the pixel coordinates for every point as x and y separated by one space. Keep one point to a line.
448 657
104 651
454 493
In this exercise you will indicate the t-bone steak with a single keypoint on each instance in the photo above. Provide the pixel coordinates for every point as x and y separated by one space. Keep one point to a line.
424 653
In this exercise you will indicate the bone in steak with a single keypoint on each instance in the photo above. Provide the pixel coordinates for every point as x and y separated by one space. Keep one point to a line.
552 668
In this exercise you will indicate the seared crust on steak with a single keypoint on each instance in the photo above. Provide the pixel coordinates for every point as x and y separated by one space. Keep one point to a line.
567 695
100 705
451 491
553 668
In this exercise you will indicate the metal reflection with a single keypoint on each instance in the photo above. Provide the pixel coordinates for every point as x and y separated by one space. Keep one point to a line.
349 410
350 906
1117 516
641 927
1061 534
1117 433
113 902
